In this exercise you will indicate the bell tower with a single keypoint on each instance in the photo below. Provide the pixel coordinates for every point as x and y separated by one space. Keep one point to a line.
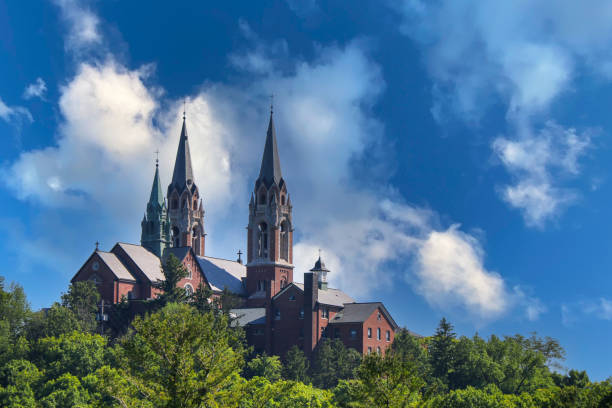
186 211
155 225
270 229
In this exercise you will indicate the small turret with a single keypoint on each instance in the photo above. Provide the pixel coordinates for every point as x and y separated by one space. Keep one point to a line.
155 227
322 271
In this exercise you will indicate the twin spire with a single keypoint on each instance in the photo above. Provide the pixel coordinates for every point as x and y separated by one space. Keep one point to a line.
270 172
182 177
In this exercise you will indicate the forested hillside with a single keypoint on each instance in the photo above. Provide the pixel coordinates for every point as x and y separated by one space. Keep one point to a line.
184 352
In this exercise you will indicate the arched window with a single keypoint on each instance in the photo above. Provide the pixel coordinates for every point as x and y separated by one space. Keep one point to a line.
174 204
262 240
188 289
284 241
195 203
262 198
184 203
283 199
195 237
176 239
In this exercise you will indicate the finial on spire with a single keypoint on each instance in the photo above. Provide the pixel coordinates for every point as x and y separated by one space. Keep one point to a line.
184 103
97 245
319 253
157 158
271 104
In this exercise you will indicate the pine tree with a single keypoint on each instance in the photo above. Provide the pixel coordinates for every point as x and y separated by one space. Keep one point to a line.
296 365
441 350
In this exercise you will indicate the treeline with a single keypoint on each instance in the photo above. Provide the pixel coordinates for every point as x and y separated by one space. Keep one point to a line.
184 352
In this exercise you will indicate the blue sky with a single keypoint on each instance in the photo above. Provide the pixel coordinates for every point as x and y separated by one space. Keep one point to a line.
449 158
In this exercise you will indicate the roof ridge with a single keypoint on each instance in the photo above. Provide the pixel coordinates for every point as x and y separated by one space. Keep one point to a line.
222 259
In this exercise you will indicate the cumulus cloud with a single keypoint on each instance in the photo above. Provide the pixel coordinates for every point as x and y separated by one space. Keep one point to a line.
520 55
35 90
536 161
83 24
114 119
573 313
14 114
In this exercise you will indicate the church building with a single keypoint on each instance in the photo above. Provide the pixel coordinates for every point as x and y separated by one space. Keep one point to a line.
277 312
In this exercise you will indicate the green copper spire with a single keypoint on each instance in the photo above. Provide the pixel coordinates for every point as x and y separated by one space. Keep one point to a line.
155 225
157 197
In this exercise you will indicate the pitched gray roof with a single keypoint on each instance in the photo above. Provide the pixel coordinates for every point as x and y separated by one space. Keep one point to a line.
222 273
360 312
330 296
255 315
334 297
182 166
147 261
270 171
115 265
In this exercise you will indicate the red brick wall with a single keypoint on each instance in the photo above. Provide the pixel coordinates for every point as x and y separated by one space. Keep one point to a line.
343 332
107 289
289 329
123 288
374 323
197 276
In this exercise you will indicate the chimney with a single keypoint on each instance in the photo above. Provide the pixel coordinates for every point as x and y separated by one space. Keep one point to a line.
311 291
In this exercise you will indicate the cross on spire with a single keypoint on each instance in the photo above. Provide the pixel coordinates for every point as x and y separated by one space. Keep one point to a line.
97 245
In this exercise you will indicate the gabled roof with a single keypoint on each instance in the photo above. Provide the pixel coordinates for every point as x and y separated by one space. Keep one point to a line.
270 172
183 170
223 273
243 317
329 296
360 312
115 265
148 263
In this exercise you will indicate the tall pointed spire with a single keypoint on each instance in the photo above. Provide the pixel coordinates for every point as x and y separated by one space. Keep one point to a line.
157 196
183 173
270 171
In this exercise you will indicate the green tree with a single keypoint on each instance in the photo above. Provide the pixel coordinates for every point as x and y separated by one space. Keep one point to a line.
76 353
386 381
332 361
201 299
64 392
83 298
409 347
173 271
259 392
18 380
14 316
52 322
269 367
296 365
441 350
179 357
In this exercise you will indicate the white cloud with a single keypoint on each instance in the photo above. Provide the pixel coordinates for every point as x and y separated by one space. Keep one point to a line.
14 114
535 161
522 55
36 89
451 271
83 25
572 313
